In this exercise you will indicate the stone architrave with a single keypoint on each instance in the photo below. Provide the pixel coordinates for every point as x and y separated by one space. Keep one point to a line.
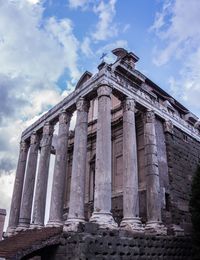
18 187
154 222
77 191
27 197
42 177
103 194
60 168
131 218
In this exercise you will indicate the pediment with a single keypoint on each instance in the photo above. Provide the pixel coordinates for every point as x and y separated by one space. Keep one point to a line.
86 75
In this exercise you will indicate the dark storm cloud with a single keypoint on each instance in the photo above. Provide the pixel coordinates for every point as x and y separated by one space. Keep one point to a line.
9 102
6 165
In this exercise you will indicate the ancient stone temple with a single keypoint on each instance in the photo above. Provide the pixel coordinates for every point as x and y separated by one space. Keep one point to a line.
122 179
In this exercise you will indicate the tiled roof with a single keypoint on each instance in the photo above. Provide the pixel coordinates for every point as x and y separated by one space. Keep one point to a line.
29 241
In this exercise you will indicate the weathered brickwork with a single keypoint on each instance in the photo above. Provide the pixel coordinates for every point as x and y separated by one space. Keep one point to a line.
102 244
183 156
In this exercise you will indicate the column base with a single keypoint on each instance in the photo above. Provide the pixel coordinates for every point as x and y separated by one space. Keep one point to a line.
132 224
11 231
22 227
36 226
156 228
176 230
72 224
52 223
104 220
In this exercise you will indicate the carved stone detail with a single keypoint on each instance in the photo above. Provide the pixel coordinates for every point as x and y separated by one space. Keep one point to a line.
34 138
168 127
82 105
23 146
149 116
64 117
128 104
104 90
48 129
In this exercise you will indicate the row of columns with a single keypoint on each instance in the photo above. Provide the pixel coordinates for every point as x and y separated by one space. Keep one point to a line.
21 217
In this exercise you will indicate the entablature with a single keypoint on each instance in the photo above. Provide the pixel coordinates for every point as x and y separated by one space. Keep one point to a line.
124 82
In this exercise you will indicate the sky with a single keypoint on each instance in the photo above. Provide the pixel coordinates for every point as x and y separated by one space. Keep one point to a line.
46 45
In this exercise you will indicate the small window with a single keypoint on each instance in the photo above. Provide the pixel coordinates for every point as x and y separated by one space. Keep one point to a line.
185 138
167 201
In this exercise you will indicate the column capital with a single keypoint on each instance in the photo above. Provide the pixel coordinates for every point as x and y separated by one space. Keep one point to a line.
24 146
64 116
34 138
82 105
168 127
48 129
104 90
128 104
149 116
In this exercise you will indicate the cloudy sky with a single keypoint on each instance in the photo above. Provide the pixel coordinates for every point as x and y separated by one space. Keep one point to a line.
45 46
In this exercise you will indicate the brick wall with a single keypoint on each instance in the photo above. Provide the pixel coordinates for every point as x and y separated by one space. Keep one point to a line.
102 244
183 156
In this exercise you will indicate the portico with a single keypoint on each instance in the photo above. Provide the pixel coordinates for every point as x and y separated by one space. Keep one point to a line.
118 101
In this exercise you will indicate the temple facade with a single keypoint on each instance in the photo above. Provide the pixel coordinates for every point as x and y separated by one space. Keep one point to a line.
127 166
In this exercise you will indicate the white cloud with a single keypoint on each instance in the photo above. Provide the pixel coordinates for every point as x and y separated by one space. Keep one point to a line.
78 3
33 1
85 47
105 11
105 27
35 51
177 27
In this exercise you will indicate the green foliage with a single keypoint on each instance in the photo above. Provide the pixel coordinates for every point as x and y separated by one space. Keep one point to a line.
195 211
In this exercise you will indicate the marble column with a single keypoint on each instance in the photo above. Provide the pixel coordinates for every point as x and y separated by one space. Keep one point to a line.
18 187
154 223
27 197
103 194
77 191
131 218
42 177
60 168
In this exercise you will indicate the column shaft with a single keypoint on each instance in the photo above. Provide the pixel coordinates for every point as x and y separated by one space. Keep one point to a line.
27 197
131 218
18 187
77 191
42 178
103 194
152 176
60 168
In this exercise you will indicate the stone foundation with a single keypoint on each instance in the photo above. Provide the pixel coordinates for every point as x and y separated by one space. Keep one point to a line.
96 243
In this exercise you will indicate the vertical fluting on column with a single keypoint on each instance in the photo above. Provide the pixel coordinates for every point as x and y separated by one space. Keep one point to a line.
60 168
154 223
42 177
18 187
77 191
103 193
27 197
131 218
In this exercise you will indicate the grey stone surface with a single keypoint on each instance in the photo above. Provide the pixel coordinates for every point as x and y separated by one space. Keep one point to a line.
154 221
131 218
94 243
102 195
60 168
77 191
42 177
183 156
27 197
18 187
